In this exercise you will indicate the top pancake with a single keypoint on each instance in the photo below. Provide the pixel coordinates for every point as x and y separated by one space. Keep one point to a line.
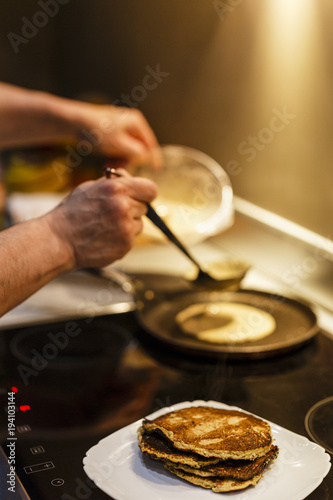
160 448
213 432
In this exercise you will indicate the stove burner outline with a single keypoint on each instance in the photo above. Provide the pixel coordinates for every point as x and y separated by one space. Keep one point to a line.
311 425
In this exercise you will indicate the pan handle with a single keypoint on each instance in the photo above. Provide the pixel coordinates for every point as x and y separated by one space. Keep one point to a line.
119 277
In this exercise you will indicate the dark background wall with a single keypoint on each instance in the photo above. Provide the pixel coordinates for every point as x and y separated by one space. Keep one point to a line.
248 82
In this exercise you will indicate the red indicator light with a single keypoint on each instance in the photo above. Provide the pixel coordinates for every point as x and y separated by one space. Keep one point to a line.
25 407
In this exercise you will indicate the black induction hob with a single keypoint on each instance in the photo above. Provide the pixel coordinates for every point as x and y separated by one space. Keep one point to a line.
65 386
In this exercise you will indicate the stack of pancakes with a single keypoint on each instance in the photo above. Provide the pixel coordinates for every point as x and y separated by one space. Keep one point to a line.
224 450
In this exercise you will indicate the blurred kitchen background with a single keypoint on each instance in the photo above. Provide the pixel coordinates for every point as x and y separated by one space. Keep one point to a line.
249 82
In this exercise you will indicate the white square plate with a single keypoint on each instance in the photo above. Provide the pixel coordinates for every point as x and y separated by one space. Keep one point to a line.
118 468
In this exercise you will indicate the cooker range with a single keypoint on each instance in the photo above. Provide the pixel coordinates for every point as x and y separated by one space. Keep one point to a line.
69 380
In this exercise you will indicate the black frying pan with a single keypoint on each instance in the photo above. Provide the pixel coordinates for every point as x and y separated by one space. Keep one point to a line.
159 298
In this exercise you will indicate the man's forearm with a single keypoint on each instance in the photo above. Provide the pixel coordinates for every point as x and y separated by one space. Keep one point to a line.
33 117
30 256
29 117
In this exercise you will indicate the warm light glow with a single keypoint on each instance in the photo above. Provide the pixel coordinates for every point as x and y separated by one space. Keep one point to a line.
288 45
290 11
289 22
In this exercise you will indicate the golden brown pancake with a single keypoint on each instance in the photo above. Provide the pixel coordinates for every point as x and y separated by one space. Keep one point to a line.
217 484
158 447
213 432
241 470
221 450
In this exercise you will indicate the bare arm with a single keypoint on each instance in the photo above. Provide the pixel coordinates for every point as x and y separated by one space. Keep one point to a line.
29 117
30 256
93 227
98 222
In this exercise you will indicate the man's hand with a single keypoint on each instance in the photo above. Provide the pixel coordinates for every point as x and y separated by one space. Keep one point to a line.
120 132
29 117
97 223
